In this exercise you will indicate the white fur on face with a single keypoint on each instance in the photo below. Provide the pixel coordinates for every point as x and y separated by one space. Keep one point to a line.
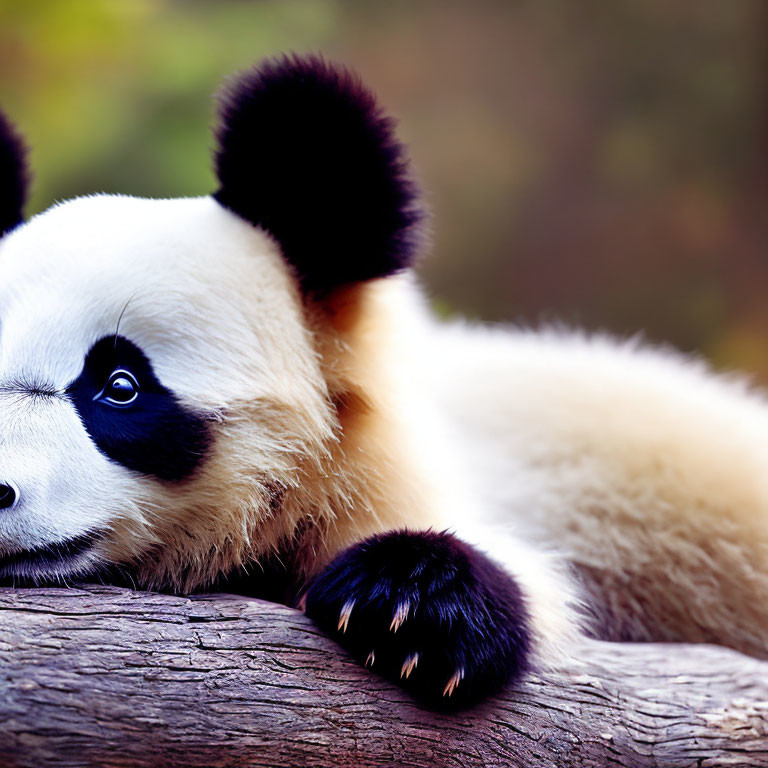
65 487
210 302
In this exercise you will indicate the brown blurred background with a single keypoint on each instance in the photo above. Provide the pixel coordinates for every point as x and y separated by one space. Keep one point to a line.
601 163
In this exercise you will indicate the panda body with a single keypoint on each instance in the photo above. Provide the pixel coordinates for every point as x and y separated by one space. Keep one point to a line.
640 467
193 389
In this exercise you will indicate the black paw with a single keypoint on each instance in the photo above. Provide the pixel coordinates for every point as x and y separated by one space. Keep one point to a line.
427 611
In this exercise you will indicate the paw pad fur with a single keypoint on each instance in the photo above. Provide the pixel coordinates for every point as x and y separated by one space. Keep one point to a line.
446 623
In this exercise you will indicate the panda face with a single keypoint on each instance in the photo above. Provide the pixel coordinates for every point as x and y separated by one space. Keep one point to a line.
136 339
171 371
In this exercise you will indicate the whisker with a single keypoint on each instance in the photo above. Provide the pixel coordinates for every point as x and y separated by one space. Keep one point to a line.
119 319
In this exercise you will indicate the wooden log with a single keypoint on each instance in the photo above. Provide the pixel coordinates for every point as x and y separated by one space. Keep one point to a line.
110 677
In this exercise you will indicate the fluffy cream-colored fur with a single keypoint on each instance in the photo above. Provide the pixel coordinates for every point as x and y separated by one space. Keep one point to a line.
337 418
641 467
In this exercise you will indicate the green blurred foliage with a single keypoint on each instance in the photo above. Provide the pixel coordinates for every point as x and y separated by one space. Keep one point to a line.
114 95
603 163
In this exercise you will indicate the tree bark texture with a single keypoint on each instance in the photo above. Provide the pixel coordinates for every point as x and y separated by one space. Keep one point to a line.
110 677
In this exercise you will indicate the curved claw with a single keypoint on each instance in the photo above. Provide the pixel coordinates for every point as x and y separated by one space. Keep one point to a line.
346 611
401 614
409 665
453 683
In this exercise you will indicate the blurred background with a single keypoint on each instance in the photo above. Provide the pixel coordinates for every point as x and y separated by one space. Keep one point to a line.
600 163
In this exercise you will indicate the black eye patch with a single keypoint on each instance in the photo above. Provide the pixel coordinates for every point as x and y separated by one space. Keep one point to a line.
150 432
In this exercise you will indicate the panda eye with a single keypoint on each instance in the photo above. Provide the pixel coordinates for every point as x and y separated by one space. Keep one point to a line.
121 389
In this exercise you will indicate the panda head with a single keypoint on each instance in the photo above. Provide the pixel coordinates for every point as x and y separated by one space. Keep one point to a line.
165 401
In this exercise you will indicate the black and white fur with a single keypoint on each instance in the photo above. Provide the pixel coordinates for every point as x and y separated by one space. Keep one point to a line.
247 390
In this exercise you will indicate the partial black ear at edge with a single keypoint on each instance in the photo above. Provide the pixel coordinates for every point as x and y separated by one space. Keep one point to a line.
305 153
13 177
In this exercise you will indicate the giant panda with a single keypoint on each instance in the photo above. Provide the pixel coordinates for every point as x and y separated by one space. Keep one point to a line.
247 391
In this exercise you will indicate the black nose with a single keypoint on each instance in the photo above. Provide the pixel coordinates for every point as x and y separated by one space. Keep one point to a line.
7 496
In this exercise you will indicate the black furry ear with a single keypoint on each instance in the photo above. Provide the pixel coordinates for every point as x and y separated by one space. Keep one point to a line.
13 177
305 153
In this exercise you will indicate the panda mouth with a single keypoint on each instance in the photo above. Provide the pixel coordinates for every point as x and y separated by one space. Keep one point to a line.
56 557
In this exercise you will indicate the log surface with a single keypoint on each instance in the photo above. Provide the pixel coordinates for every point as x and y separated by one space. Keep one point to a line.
110 677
